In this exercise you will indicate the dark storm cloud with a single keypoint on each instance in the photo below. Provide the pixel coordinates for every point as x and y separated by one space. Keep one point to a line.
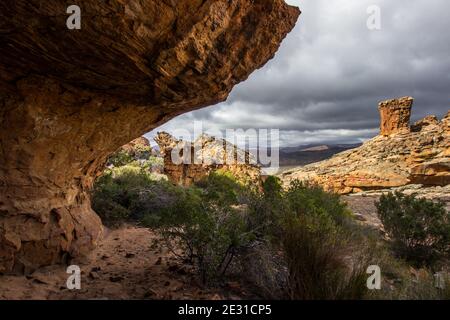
330 73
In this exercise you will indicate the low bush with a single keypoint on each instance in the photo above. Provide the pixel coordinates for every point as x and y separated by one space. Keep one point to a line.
206 225
312 200
120 158
295 243
419 228
322 244
222 188
127 193
322 261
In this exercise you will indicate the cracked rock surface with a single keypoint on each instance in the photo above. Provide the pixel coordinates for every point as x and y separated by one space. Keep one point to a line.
69 98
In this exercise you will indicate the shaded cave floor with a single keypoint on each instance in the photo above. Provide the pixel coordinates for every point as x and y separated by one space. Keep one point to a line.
129 263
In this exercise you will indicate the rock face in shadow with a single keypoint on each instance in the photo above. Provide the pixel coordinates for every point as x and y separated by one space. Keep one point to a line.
69 98
186 163
399 156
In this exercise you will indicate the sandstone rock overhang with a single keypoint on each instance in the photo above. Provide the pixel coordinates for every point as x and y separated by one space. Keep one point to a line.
69 98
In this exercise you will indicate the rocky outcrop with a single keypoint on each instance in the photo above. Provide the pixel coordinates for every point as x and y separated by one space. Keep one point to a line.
138 149
395 115
188 162
419 156
70 98
133 146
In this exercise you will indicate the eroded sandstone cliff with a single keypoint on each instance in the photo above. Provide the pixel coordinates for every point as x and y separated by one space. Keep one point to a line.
69 98
188 162
399 156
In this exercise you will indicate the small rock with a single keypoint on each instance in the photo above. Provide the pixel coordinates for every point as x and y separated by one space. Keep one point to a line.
115 278
39 281
94 275
233 285
359 217
151 294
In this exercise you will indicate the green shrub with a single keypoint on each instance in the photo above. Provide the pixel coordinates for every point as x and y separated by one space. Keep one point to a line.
298 243
423 286
205 224
323 262
120 158
322 249
419 228
142 152
222 188
326 254
266 209
310 199
272 188
127 193
263 267
210 238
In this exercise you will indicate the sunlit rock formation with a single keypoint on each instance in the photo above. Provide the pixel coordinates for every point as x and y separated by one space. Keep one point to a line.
395 115
398 156
188 162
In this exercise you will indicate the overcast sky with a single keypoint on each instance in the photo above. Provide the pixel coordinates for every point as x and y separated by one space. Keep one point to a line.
325 82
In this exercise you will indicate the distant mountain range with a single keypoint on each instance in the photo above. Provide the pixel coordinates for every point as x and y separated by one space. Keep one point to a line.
291 157
306 154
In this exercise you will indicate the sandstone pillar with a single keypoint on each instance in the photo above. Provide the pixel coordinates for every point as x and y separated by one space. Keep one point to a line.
395 115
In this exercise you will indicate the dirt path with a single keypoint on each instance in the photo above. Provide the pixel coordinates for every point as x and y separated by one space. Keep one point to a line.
129 263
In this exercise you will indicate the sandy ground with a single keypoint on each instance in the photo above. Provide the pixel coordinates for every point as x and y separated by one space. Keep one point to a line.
363 206
364 209
133 263
130 263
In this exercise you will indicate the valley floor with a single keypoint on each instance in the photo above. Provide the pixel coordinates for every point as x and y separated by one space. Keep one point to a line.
128 264
132 263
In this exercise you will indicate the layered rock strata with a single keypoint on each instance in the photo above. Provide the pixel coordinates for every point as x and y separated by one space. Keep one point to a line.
395 115
399 156
186 163
70 98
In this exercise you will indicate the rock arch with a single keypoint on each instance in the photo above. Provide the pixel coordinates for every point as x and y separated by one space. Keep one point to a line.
69 98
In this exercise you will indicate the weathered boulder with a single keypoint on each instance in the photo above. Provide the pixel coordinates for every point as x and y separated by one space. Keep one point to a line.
70 98
188 162
425 124
137 143
138 149
421 156
395 115
435 172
